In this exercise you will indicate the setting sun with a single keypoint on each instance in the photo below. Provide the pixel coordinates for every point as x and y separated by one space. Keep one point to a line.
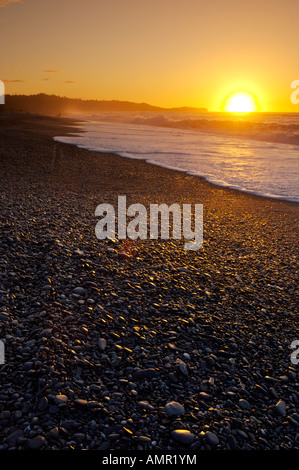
240 102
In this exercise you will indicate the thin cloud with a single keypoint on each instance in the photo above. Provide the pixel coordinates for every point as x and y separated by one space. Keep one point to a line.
4 3
51 71
69 81
13 81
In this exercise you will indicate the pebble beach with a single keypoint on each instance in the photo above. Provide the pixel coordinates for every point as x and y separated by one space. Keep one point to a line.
157 348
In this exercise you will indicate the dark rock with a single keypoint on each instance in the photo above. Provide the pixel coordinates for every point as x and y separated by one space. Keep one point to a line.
36 442
183 436
146 373
211 438
13 438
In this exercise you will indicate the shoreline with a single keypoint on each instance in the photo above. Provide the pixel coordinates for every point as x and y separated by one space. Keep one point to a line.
188 172
167 350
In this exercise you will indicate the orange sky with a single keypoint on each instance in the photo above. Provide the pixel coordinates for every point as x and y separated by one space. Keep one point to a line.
163 52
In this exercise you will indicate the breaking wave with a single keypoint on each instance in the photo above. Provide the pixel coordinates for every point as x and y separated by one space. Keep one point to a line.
257 154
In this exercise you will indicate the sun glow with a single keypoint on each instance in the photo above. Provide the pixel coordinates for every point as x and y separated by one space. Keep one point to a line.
240 102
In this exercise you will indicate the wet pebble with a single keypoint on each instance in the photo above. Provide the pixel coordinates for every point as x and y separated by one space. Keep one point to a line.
36 442
280 408
174 408
211 438
183 436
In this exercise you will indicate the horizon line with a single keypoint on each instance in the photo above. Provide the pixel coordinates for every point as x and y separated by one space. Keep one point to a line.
169 108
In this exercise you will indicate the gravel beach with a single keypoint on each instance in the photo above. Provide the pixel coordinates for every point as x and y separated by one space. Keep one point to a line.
165 349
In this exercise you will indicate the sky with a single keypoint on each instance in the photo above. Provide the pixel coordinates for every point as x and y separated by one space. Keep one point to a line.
166 53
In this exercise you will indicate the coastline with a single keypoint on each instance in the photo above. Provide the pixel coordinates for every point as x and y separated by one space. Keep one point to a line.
96 345
128 150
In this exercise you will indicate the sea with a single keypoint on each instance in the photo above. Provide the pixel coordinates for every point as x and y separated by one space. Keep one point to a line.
256 153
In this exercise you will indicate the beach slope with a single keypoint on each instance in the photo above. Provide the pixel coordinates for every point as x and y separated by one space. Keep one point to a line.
97 344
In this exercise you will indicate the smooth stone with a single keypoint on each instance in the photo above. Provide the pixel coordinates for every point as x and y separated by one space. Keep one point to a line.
183 368
174 408
183 436
144 439
102 343
61 399
93 404
36 442
79 291
244 404
232 442
187 356
80 402
280 408
13 438
5 414
79 436
53 433
242 434
4 317
43 404
70 424
212 439
204 395
146 405
210 361
146 373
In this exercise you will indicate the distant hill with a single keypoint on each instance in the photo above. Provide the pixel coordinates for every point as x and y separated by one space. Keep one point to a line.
54 105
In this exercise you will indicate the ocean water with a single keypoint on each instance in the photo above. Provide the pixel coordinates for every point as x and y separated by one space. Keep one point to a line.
256 153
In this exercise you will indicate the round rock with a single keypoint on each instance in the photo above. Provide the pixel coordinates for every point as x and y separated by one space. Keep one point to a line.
79 291
244 404
183 436
174 408
280 408
102 343
36 442
211 438
61 399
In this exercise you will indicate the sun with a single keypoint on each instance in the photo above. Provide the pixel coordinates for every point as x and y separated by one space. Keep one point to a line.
240 101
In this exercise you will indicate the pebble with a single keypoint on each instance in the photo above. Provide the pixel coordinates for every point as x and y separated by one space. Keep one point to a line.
61 399
53 433
13 437
144 439
80 402
146 373
182 367
211 438
174 408
146 405
79 291
183 436
36 442
102 343
244 404
280 408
